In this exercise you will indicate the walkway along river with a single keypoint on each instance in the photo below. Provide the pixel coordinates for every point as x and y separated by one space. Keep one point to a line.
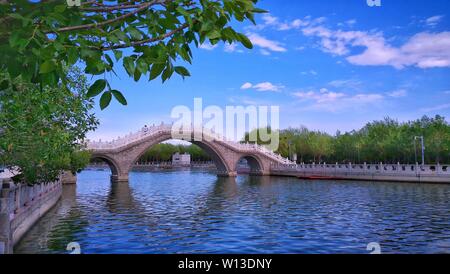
196 212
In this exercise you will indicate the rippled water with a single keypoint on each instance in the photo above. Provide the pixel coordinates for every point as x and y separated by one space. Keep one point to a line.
196 212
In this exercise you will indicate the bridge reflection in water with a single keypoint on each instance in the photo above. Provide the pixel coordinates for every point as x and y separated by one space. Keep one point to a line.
197 212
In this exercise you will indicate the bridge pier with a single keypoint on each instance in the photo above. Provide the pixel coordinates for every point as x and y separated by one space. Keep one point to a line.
67 178
119 178
226 174
259 173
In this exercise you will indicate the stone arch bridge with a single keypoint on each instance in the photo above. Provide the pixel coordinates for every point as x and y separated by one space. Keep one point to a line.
121 154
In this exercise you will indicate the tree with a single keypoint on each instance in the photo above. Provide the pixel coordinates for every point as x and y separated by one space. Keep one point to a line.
42 129
164 152
321 145
149 37
385 141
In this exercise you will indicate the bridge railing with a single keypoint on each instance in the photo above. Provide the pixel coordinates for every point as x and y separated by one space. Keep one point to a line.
127 139
387 169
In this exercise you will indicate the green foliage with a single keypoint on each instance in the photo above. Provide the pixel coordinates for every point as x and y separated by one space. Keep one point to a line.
43 127
385 141
164 152
39 38
79 159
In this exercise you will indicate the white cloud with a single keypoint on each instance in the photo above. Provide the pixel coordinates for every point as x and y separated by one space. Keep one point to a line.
311 72
436 108
351 22
233 47
330 101
208 46
348 23
269 19
347 84
265 43
246 85
264 86
320 97
423 50
397 93
267 86
264 52
298 23
434 20
274 22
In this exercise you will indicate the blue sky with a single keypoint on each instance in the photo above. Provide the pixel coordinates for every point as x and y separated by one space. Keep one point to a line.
328 64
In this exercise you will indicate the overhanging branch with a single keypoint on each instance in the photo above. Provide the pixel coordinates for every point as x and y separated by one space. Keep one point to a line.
148 40
142 7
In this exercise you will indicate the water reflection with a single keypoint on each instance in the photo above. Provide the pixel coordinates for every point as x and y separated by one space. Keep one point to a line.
120 199
196 212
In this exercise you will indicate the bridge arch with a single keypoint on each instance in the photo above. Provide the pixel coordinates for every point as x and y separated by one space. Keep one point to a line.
223 168
219 161
254 162
114 166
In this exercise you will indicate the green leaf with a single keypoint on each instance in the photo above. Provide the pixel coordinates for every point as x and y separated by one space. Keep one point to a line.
167 73
214 35
47 66
135 33
96 88
60 8
119 97
128 63
72 55
16 16
156 70
4 84
182 71
137 75
257 10
142 65
109 60
117 54
245 41
105 100
182 11
122 36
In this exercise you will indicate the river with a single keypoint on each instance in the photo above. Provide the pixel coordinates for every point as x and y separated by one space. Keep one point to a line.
196 212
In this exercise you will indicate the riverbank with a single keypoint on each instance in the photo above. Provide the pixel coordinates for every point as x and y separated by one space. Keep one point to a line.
21 206
367 172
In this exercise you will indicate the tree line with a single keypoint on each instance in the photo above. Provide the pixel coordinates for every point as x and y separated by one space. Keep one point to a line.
387 141
164 151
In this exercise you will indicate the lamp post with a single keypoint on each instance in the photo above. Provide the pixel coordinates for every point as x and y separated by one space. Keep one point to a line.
423 149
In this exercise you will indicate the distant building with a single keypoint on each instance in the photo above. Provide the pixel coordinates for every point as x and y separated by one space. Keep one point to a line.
181 159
